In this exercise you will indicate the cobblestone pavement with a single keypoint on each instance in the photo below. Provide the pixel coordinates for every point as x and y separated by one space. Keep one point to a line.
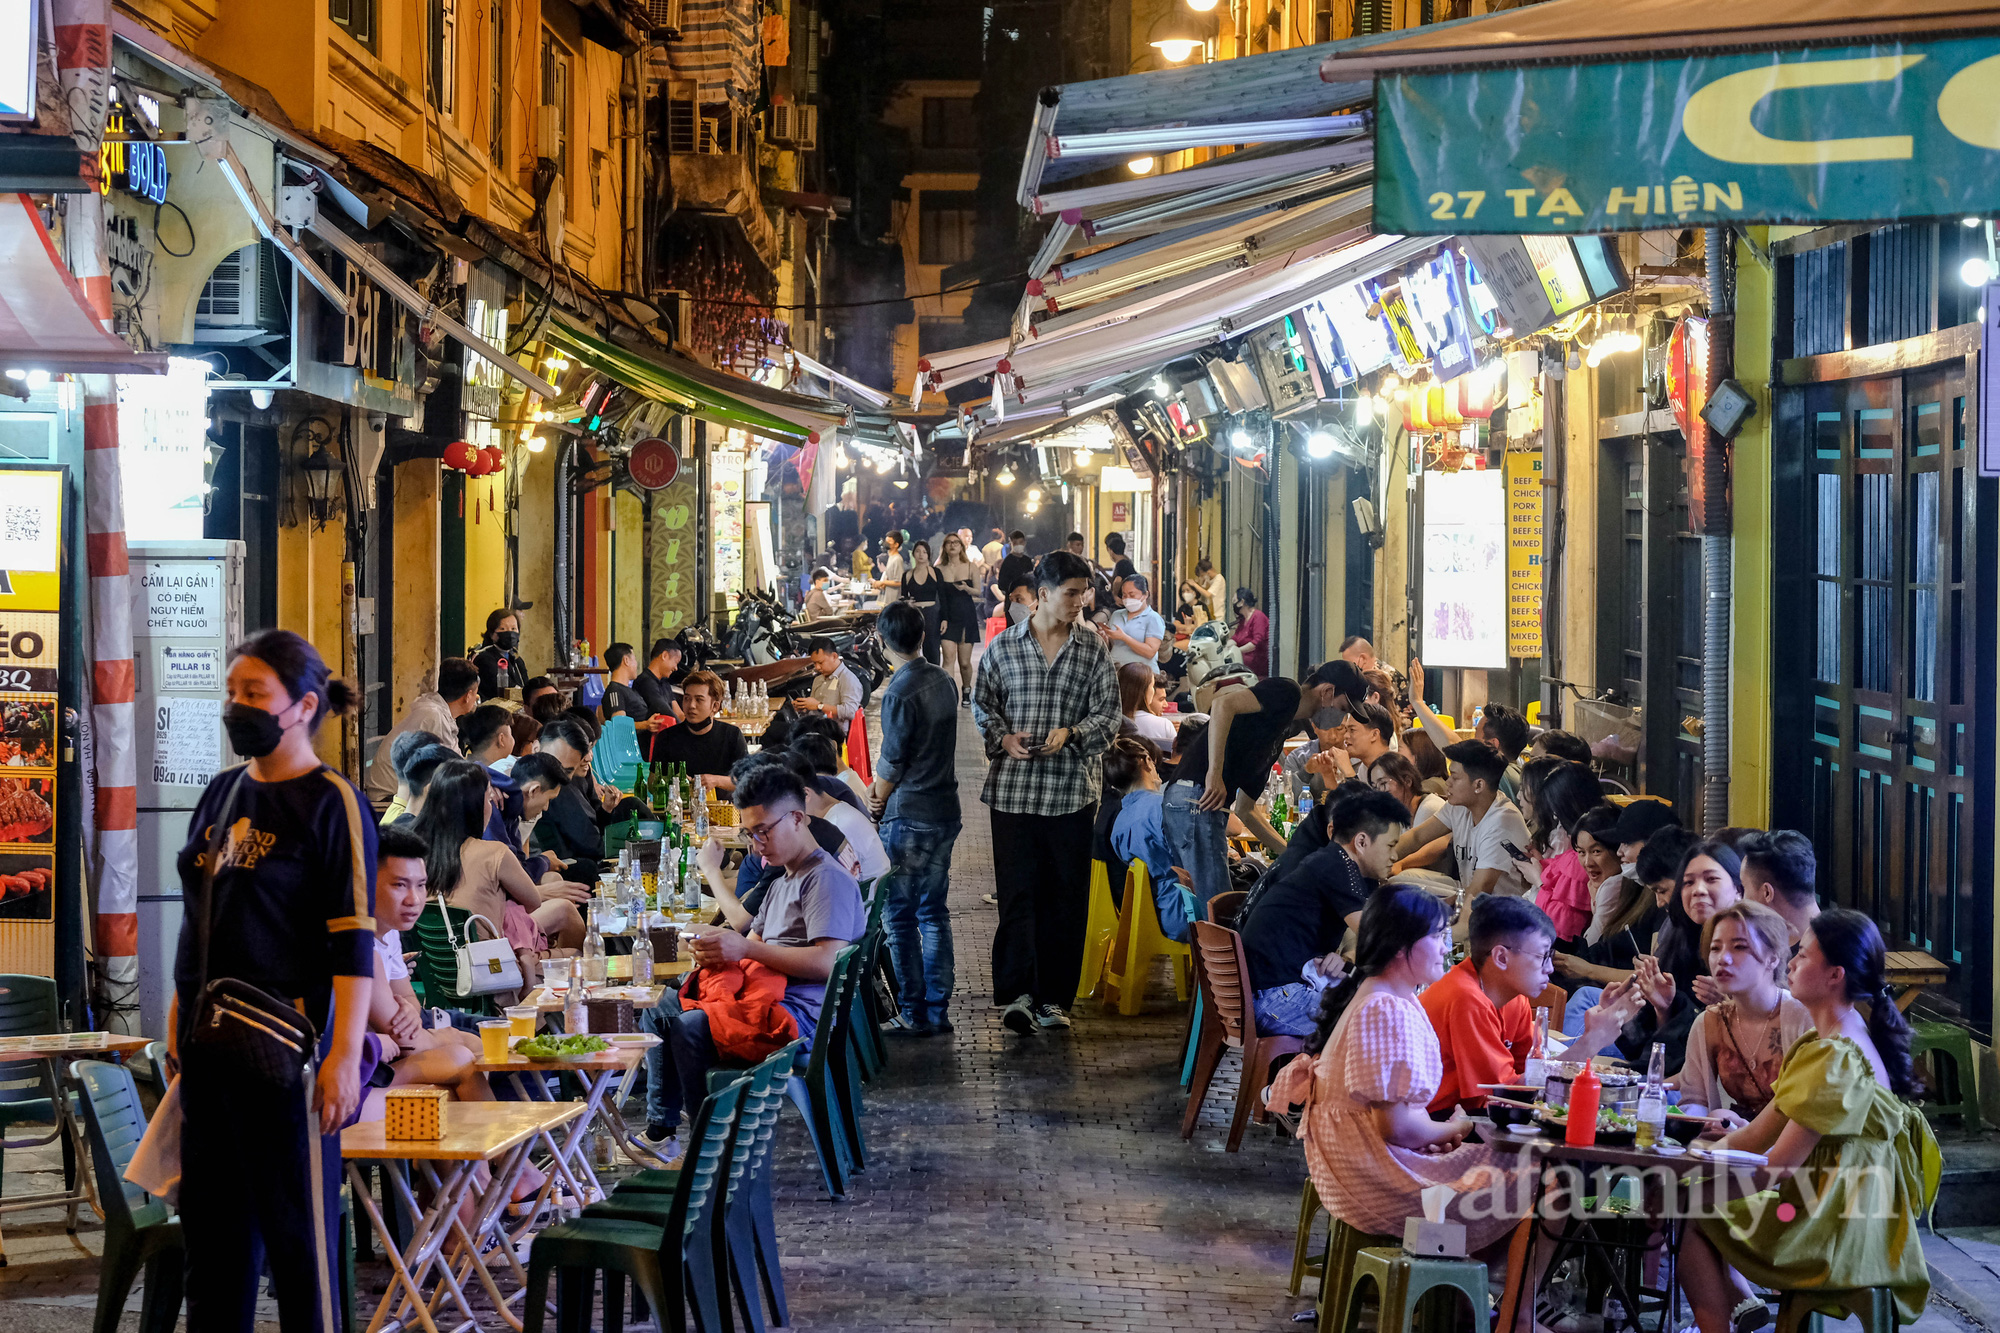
1040 1182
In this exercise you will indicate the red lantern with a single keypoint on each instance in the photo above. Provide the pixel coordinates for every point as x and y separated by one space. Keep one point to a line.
461 455
491 460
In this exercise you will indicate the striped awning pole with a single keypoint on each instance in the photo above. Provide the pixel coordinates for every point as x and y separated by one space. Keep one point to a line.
83 66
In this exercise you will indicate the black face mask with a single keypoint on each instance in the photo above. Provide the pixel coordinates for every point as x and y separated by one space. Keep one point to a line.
253 732
508 639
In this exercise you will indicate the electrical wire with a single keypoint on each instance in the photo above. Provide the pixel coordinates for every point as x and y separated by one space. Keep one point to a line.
887 300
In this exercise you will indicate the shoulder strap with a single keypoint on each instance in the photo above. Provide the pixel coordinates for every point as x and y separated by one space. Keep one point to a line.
217 832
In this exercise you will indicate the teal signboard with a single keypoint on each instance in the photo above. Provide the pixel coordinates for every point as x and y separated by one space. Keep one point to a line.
1851 134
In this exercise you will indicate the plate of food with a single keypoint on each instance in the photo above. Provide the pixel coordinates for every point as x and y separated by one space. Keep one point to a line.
580 1047
1615 1129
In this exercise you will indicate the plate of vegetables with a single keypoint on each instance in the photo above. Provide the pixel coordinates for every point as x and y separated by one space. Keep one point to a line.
553 1047
1615 1129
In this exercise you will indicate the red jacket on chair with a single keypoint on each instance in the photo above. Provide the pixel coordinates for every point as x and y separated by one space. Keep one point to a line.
746 1018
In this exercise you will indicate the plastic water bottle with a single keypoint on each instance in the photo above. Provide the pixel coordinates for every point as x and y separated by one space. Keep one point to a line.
642 957
1536 1074
1653 1101
594 965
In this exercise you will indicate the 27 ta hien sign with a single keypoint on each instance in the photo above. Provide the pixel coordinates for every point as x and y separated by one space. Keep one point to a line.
1896 130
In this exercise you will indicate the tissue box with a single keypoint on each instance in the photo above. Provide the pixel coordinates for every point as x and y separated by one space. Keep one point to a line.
1434 1240
414 1113
608 1016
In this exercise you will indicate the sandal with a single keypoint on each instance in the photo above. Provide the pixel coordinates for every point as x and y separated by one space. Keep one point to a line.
1750 1314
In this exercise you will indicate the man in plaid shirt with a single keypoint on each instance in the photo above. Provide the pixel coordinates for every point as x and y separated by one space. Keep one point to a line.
1046 699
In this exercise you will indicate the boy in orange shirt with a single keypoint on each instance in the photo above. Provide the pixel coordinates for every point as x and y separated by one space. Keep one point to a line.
1480 1008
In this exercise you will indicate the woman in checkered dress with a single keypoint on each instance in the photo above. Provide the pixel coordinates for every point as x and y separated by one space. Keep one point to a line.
1370 1072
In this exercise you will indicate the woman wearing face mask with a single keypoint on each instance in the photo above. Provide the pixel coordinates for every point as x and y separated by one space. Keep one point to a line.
923 589
958 623
1135 630
278 876
501 640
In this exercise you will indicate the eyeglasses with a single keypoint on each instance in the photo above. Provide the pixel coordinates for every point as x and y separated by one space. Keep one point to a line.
1544 959
759 832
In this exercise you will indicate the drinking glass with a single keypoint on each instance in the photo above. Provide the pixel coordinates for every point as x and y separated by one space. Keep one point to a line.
521 1020
555 973
493 1033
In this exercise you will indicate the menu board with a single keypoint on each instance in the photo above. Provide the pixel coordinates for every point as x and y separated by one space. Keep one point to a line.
1465 569
31 504
725 515
1523 471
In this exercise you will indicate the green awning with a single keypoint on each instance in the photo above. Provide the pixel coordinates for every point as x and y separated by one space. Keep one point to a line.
671 379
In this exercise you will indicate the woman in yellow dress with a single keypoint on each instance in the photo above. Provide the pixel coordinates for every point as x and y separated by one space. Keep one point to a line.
1867 1165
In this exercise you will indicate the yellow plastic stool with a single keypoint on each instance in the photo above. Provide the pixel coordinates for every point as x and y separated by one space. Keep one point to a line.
1450 722
1098 930
1138 942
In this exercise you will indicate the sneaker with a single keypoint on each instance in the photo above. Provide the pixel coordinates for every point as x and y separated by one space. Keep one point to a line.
658 1137
1020 1016
989 899
1051 1016
937 1029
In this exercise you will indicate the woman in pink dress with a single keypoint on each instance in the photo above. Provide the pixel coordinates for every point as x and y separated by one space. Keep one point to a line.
1370 1145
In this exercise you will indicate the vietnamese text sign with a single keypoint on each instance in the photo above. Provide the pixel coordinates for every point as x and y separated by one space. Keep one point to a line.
1465 569
672 533
189 669
1523 471
187 741
1847 134
180 599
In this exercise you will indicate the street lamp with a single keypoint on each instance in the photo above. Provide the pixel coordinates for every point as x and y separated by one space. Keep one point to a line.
1178 35
321 468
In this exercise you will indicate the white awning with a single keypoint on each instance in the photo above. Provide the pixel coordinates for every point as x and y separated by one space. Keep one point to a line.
46 322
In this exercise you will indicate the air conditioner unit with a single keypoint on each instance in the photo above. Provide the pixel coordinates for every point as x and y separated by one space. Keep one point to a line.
782 122
807 135
242 300
665 16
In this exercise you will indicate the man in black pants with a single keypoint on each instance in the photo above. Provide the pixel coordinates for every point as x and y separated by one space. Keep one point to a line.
1046 700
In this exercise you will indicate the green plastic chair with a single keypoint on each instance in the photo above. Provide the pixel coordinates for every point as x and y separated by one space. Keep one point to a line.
437 963
139 1231
846 1057
816 1090
28 1092
673 1267
871 1053
749 1225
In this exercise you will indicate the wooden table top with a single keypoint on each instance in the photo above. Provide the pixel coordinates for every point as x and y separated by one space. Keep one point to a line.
1914 967
81 1044
473 1132
622 1055
619 967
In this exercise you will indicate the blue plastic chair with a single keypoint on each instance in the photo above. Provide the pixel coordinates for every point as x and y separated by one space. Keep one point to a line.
615 757
28 1008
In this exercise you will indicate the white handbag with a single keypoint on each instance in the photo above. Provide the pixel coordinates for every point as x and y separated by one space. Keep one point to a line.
485 967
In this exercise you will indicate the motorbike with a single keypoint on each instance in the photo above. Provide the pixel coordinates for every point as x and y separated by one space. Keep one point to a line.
761 634
1214 659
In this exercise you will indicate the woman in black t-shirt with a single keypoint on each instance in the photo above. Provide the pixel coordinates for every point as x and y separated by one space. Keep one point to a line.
289 909
502 638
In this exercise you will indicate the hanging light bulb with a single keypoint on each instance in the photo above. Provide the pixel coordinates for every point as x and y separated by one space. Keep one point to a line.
1364 403
1975 272
1034 495
1319 444
1202 6
1005 476
536 443
1162 389
1240 441
1177 49
1139 166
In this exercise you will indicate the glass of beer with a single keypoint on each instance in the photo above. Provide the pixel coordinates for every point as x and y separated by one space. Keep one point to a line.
521 1020
493 1034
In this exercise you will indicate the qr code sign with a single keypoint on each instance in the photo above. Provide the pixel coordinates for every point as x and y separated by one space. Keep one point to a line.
21 523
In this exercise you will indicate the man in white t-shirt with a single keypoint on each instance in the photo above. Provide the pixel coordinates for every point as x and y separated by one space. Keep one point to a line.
1489 839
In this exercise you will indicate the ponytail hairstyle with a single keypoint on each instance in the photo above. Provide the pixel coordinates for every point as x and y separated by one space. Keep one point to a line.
1395 919
454 810
1850 941
299 666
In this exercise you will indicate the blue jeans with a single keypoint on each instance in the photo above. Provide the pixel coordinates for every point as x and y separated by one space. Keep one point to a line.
915 919
1580 1003
680 1062
1199 838
1291 1010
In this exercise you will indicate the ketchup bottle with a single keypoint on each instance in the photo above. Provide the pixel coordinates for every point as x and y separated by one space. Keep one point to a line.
1583 1096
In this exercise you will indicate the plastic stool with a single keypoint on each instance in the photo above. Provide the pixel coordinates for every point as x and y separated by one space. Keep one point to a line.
1955 1043
1138 942
1402 1280
1098 930
1336 1267
1302 1262
1875 1307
